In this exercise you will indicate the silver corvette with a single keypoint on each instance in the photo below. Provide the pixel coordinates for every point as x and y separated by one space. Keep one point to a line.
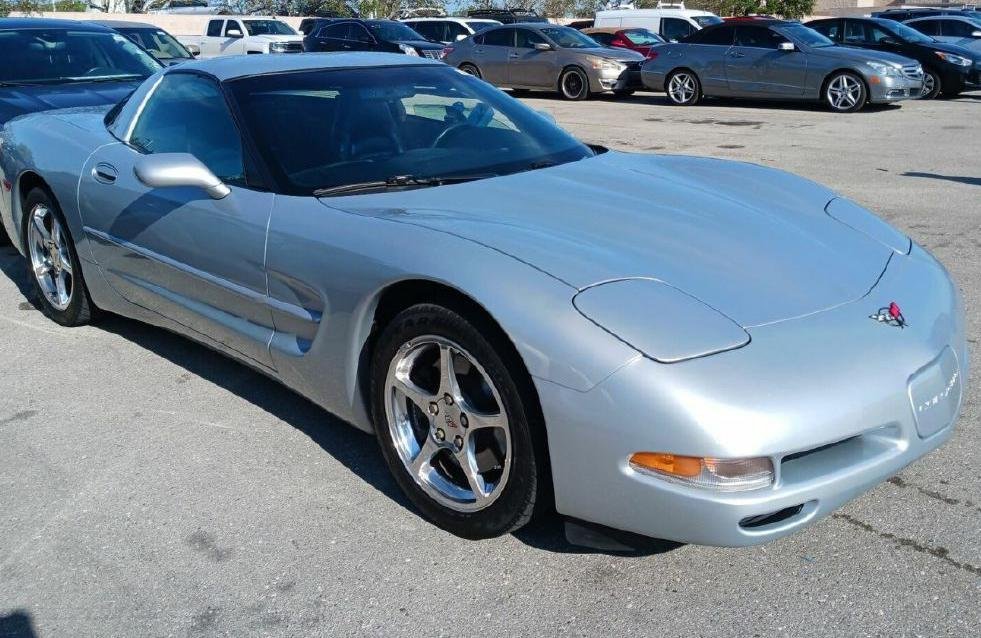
685 348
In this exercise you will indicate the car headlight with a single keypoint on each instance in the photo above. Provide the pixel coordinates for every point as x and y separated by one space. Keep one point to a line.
956 60
602 64
277 47
888 70
406 49
727 475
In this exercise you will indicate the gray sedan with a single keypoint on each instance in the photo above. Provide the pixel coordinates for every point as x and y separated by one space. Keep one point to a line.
687 348
773 59
541 56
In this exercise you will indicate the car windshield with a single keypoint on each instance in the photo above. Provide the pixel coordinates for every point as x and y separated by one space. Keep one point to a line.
394 31
704 21
49 56
268 27
159 44
642 37
805 35
569 38
480 26
326 129
908 34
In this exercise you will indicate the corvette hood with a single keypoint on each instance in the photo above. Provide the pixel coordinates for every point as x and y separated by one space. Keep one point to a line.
20 100
754 243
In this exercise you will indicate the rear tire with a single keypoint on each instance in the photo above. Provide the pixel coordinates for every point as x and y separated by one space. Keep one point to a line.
447 436
470 69
683 88
574 85
844 92
52 263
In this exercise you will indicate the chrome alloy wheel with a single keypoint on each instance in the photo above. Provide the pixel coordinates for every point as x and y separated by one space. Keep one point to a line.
844 92
573 84
50 260
929 84
448 424
681 88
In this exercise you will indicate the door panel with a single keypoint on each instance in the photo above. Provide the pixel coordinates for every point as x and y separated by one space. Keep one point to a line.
527 66
755 67
492 56
176 251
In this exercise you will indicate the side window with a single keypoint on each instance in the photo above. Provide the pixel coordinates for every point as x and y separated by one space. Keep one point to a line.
527 39
499 38
233 25
674 29
831 29
757 37
603 38
453 30
188 114
956 28
929 27
855 32
425 29
722 36
478 39
878 35
214 28
336 31
359 33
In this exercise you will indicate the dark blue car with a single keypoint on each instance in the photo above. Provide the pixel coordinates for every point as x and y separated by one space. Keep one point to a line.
56 64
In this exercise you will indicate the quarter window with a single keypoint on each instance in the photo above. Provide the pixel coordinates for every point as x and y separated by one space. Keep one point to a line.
188 114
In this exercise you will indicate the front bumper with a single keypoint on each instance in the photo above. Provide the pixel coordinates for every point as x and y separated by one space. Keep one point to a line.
892 89
826 397
626 80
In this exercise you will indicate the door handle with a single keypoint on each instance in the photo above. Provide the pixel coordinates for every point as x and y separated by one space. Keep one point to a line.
105 173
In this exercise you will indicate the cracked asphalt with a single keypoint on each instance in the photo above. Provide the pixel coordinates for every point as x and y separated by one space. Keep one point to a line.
148 486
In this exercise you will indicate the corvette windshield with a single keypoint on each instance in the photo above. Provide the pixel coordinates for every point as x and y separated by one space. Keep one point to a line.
45 56
408 126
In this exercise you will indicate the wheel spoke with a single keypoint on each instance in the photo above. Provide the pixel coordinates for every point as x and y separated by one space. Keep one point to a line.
42 270
421 398
64 262
474 480
478 421
447 374
61 287
39 227
422 459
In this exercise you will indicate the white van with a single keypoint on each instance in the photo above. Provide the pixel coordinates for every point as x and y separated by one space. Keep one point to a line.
671 21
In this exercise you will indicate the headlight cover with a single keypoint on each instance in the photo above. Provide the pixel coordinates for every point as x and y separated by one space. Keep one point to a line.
408 50
854 216
887 70
659 320
602 64
956 60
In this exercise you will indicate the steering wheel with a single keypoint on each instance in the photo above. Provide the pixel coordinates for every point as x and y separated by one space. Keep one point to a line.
479 117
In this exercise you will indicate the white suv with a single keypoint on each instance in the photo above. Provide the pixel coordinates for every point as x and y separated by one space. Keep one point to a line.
671 21
447 30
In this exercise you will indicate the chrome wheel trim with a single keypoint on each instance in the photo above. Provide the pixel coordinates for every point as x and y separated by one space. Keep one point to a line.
50 261
453 429
929 84
844 92
681 88
576 87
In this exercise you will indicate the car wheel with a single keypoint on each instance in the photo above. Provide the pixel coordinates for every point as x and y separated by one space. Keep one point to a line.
623 93
931 85
845 92
574 85
455 427
683 88
52 263
470 69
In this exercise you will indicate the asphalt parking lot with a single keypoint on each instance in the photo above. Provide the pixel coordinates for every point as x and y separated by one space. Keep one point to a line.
148 486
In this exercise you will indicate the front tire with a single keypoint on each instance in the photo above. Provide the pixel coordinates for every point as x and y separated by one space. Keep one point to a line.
845 93
456 428
52 263
931 85
683 88
574 85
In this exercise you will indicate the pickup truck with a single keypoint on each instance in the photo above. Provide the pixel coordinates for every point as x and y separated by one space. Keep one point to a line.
239 36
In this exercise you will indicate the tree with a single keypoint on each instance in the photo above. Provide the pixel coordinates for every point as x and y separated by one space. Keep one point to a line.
790 9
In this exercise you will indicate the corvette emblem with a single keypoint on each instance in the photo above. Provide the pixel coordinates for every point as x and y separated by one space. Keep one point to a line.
890 315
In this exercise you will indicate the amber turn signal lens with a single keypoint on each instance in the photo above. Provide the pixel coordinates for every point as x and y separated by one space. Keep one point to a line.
668 463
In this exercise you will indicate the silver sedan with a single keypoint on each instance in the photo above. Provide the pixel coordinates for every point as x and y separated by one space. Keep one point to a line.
687 348
541 56
777 60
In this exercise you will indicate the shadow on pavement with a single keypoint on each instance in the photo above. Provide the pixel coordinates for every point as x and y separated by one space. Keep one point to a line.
971 181
17 624
353 448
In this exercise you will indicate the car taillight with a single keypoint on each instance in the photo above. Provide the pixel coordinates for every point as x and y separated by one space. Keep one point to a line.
446 51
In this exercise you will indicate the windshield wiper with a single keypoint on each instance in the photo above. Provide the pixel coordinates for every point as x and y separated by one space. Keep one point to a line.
398 181
105 78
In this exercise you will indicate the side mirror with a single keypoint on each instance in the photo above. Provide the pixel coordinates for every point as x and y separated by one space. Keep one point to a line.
461 36
164 170
543 46
233 33
786 46
193 49
976 34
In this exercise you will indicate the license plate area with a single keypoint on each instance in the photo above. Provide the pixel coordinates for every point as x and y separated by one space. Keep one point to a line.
935 393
